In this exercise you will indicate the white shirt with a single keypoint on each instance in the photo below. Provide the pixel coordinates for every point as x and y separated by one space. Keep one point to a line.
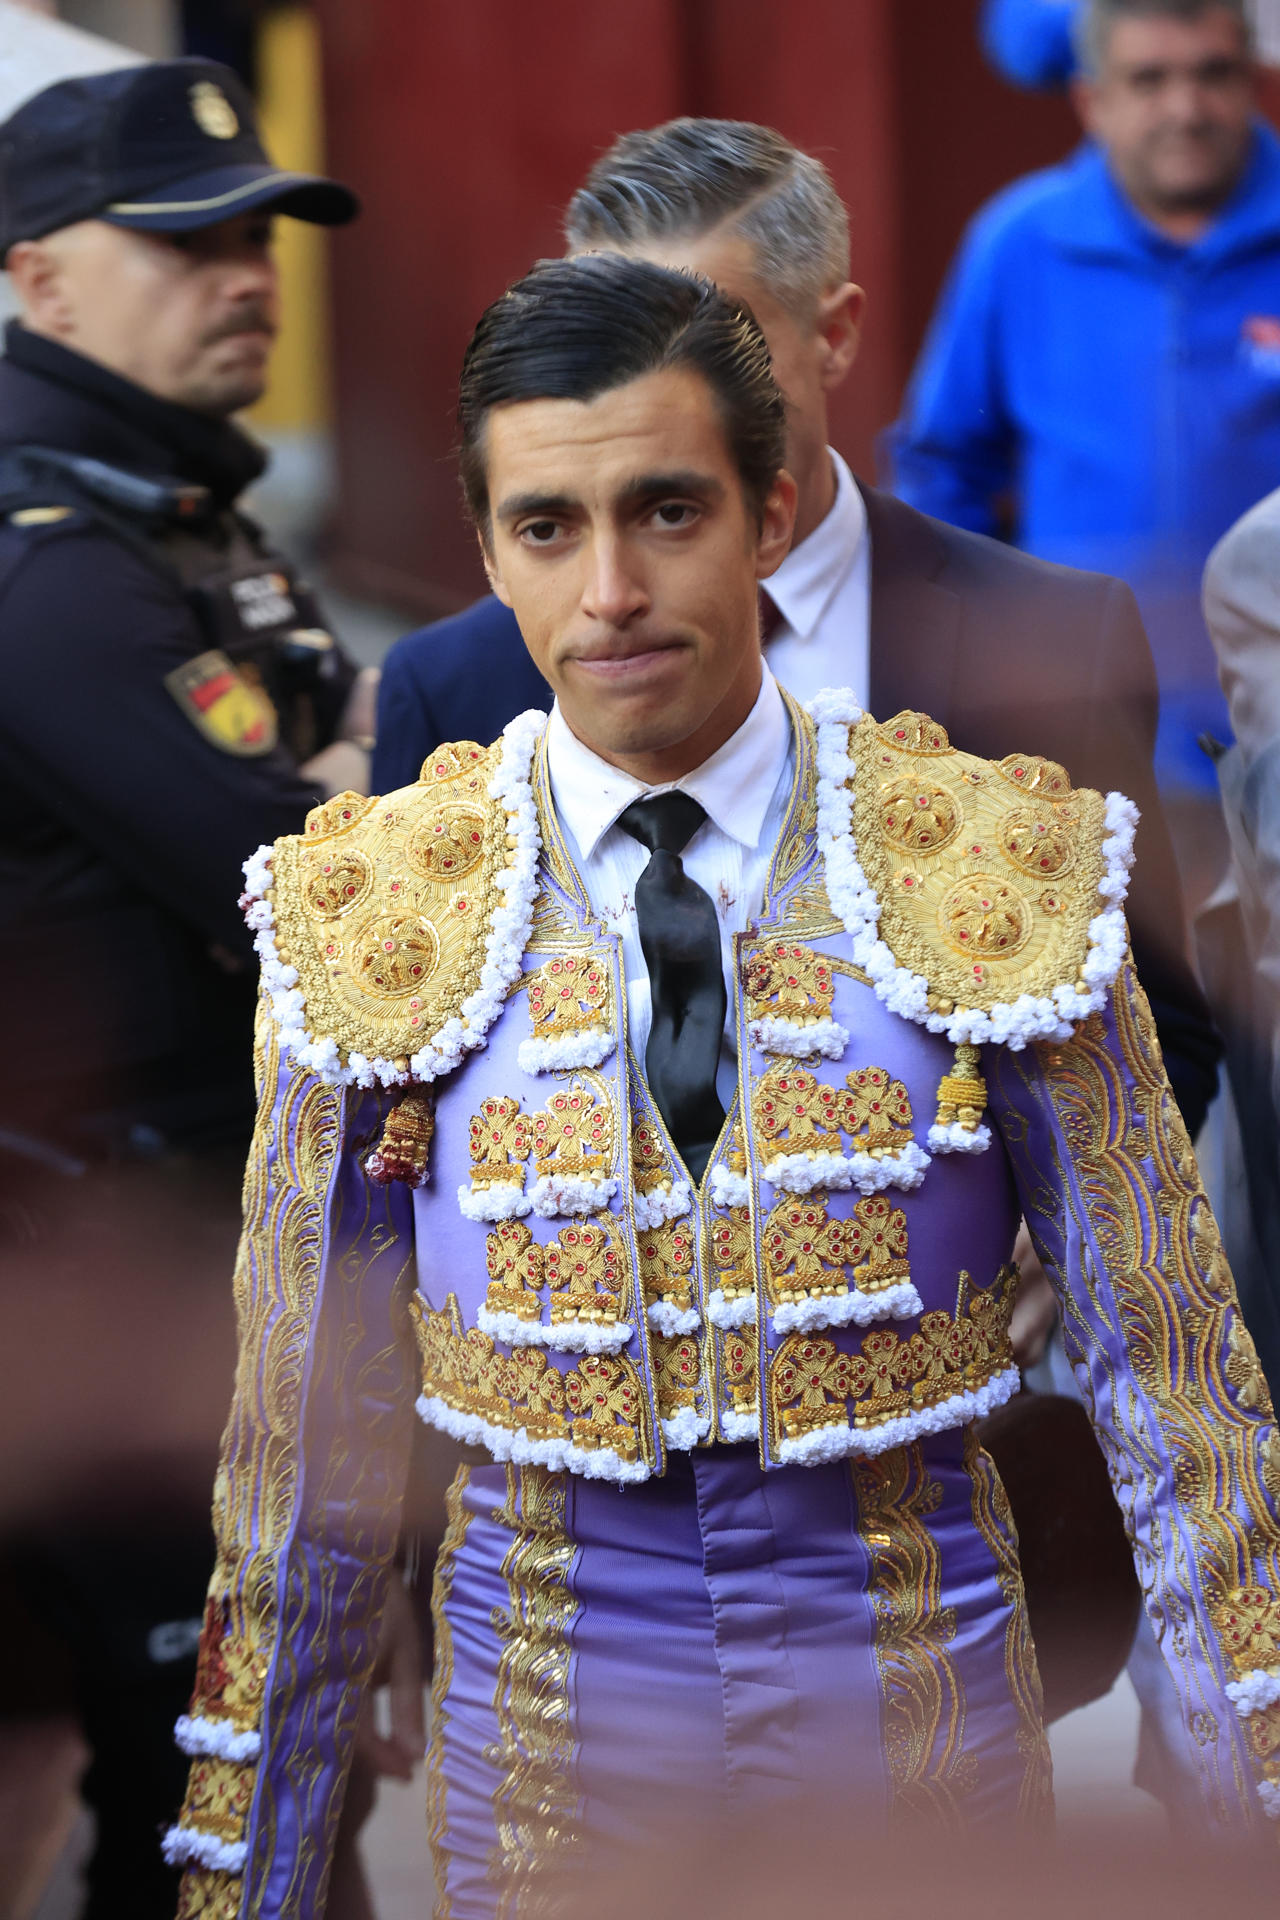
823 592
745 788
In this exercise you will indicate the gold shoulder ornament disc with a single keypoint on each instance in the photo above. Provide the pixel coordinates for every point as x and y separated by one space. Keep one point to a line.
998 883
385 908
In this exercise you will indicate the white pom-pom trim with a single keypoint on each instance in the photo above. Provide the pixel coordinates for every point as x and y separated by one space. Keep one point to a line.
1254 1692
740 1426
803 1172
501 1201
669 1320
772 1034
561 1456
958 1139
667 1203
215 1739
567 1336
183 1845
729 1189
507 939
1269 1794
839 1442
685 1428
731 1313
1028 1018
567 1195
852 1309
586 1049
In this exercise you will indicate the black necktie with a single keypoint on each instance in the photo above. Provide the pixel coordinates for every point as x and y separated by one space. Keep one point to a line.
681 941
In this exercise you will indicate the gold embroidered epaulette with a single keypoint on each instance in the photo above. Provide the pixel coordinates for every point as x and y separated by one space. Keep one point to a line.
391 929
984 897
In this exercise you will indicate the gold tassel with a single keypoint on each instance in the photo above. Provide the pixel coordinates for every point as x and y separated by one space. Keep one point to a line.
401 1154
962 1093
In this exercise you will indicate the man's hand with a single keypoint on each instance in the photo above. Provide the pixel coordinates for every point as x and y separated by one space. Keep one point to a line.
359 721
1035 1308
341 767
399 1670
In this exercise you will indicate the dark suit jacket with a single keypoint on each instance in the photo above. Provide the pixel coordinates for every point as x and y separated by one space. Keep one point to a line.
1008 653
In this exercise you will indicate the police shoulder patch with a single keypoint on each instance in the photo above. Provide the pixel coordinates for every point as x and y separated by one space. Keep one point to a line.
232 711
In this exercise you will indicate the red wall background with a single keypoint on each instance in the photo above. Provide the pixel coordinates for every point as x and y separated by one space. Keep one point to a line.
467 127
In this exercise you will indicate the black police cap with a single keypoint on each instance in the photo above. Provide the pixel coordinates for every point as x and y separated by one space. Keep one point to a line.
163 148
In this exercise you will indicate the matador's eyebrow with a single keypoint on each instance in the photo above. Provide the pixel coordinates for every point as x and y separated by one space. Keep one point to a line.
681 481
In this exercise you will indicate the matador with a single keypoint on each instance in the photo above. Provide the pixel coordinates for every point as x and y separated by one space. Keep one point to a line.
649 1101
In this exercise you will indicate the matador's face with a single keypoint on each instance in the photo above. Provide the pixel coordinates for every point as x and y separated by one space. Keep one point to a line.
623 541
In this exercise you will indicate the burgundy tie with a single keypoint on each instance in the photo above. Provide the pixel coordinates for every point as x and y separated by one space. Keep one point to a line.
771 615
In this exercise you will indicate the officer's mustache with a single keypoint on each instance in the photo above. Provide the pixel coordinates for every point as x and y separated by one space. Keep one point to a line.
255 318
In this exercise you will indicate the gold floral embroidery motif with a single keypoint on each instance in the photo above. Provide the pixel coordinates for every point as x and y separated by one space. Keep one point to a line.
219 1794
573 1134
458 1519
651 1166
536 1805
731 1252
876 1113
789 981
923 1702
918 816
501 1140
1248 1623
792 1111
994 1520
677 1372
808 1256
804 1251
514 1261
911 732
666 1264
585 1271
598 1403
739 1370
877 1244
448 844
570 994
813 1384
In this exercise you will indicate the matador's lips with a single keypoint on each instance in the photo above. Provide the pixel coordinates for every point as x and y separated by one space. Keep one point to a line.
629 658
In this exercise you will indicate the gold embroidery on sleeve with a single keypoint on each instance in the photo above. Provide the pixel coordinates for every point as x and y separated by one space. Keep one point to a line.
994 1521
1138 1180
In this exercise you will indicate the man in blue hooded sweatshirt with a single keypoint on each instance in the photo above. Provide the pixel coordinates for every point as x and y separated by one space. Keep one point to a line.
1101 382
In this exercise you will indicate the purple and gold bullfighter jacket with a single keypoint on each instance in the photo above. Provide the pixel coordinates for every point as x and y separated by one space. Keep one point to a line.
461 1195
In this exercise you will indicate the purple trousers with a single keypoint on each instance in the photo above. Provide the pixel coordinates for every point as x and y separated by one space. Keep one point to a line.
723 1644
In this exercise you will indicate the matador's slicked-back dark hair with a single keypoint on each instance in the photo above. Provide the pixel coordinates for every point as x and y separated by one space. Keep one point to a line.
574 329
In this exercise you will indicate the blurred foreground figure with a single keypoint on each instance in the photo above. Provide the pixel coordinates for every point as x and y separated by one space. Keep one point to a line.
715 1328
1240 929
169 696
1102 378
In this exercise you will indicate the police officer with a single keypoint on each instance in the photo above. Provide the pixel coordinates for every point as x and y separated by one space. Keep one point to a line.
169 700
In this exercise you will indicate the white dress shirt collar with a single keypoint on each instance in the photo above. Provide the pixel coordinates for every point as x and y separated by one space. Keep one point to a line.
735 785
803 586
